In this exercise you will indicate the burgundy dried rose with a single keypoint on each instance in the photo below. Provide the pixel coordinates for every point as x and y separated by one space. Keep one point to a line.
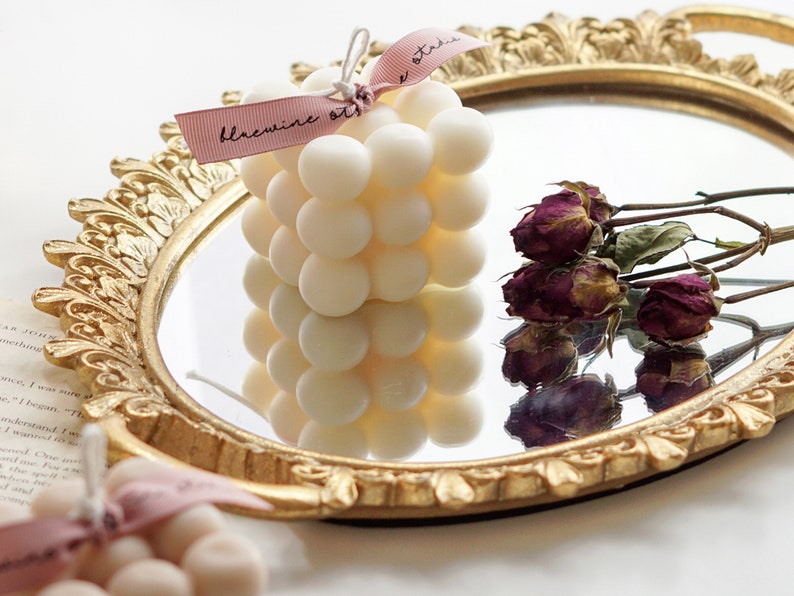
575 408
555 231
538 355
559 229
587 291
599 209
678 310
668 376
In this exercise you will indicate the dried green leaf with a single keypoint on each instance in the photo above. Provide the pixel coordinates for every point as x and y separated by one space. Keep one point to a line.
728 244
648 243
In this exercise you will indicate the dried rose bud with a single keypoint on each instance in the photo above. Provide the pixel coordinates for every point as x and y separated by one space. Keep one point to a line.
538 355
555 231
575 408
599 210
668 376
678 310
587 291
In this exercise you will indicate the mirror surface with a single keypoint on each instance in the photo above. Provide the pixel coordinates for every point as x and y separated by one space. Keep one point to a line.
633 154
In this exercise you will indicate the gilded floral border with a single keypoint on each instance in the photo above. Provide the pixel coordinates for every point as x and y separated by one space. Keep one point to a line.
107 266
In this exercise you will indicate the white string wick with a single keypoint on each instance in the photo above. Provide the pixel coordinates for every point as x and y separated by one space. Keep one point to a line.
358 46
93 450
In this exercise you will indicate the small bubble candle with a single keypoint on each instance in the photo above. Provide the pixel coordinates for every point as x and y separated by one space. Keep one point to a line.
143 528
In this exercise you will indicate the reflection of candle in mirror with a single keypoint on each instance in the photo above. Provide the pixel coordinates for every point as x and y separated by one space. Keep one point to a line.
358 369
394 435
259 389
452 420
346 439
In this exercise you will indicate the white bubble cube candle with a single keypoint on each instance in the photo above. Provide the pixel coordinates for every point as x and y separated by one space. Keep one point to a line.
377 210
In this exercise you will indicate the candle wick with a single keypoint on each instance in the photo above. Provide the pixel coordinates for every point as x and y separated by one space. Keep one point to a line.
196 376
356 48
93 450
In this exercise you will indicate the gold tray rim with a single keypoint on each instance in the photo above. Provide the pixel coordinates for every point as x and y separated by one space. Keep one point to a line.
119 272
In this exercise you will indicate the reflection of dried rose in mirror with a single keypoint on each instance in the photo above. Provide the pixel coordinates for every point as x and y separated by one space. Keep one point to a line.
668 376
575 408
538 355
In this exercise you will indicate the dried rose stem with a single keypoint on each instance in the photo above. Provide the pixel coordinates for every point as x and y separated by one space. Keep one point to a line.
728 356
708 199
630 221
742 253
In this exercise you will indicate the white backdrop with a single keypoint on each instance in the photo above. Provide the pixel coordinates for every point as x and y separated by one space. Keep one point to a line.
83 82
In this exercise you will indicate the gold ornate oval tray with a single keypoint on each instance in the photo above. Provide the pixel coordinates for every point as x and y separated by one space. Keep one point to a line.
135 242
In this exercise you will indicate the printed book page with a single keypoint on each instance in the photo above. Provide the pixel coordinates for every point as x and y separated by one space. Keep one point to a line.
40 416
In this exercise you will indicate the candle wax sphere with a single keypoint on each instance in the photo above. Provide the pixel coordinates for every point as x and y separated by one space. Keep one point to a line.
335 230
287 310
402 155
286 363
397 273
259 281
462 140
72 587
98 563
286 417
334 343
322 79
267 90
454 313
419 103
347 440
285 196
259 334
274 90
61 498
256 172
225 564
455 257
171 538
334 287
258 387
362 126
334 167
129 469
288 157
458 202
398 383
366 70
287 254
258 225
152 577
402 217
331 397
396 330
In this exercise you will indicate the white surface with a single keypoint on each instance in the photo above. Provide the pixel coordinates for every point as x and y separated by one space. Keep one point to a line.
85 81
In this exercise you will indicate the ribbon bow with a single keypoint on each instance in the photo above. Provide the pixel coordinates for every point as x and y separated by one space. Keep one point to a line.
218 134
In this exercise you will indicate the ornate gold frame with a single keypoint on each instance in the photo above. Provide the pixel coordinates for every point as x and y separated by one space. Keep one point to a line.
120 270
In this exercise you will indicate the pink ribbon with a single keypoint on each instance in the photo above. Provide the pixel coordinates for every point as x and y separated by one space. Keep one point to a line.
34 552
218 134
